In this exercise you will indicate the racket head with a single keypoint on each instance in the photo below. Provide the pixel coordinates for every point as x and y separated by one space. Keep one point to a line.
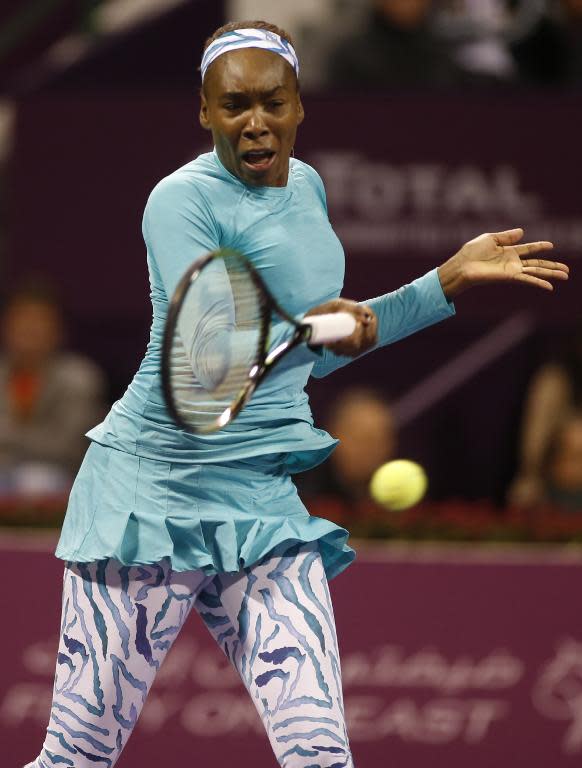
215 341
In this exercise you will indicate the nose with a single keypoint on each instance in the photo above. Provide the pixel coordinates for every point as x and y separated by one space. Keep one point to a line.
255 127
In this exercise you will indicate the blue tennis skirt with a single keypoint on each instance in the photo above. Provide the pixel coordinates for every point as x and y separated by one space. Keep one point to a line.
211 517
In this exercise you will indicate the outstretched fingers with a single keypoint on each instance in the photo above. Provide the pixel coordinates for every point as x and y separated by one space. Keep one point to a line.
545 268
509 237
539 272
535 281
527 249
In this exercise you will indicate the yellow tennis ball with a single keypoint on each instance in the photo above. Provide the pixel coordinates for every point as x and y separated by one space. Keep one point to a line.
398 484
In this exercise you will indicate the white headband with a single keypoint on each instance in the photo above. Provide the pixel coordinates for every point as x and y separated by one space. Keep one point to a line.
249 38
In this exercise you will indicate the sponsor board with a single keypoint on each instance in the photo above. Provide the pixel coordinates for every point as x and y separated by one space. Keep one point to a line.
464 672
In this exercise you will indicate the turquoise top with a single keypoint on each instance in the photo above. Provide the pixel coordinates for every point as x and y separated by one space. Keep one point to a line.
148 490
286 233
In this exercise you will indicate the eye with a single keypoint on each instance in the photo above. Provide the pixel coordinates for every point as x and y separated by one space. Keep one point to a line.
275 103
231 107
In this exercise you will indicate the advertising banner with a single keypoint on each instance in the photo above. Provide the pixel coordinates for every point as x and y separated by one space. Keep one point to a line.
409 178
451 657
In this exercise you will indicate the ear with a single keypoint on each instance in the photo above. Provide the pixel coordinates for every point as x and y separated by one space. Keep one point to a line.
203 116
300 111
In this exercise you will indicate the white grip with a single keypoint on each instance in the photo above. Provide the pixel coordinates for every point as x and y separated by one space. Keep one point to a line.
330 327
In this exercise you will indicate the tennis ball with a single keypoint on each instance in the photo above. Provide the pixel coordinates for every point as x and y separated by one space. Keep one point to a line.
398 484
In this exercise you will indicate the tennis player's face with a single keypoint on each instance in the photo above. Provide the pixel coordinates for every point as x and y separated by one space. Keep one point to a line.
251 104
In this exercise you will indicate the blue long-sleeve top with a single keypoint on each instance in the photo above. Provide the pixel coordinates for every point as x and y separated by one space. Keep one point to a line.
286 233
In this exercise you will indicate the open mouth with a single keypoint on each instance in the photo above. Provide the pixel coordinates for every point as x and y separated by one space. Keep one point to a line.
259 159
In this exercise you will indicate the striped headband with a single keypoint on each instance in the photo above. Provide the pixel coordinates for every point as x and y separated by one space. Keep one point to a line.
249 38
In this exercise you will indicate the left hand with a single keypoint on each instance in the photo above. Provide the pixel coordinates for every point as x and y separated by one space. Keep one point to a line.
499 257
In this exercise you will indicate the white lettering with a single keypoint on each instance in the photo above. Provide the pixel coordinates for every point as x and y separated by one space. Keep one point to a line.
510 197
336 169
499 670
158 709
174 670
425 182
467 192
438 721
481 715
362 190
213 670
361 714
428 668
39 658
443 721
379 191
26 701
220 713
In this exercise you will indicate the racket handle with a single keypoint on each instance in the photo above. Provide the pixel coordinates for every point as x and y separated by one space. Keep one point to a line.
330 327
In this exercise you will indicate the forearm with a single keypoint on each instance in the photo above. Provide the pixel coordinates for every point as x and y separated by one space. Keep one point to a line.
452 277
400 313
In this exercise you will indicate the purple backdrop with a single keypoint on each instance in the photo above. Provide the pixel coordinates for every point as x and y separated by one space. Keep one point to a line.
451 657
409 179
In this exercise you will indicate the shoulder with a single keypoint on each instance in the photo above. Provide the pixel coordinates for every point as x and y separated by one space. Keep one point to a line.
303 172
194 181
301 169
193 192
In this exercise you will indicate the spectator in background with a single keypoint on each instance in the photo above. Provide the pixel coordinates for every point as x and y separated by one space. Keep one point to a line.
48 398
478 33
551 55
563 470
554 392
396 48
363 423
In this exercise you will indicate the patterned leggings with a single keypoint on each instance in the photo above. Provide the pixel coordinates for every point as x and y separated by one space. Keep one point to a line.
274 622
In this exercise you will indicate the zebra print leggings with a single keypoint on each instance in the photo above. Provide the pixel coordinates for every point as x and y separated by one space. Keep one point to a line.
274 622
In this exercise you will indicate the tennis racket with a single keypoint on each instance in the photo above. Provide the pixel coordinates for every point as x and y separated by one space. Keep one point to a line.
217 348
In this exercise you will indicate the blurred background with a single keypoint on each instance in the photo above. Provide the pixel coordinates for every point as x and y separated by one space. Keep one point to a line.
430 121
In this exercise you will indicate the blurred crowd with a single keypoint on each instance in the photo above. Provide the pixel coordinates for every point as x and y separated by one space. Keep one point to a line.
549 460
49 397
550 454
348 44
343 44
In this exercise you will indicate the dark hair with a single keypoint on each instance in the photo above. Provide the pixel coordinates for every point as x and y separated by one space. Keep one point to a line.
256 24
232 25
33 289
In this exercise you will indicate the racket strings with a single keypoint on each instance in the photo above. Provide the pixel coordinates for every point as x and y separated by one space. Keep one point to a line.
217 342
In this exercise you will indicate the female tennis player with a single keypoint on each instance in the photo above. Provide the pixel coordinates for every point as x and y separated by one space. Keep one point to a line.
160 520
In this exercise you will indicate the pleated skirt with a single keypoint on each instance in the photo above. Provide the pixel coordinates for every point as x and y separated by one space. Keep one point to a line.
211 517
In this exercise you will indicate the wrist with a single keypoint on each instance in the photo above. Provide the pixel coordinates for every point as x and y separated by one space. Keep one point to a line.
452 277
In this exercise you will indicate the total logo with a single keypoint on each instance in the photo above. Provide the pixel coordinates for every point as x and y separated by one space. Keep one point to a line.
364 189
422 209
